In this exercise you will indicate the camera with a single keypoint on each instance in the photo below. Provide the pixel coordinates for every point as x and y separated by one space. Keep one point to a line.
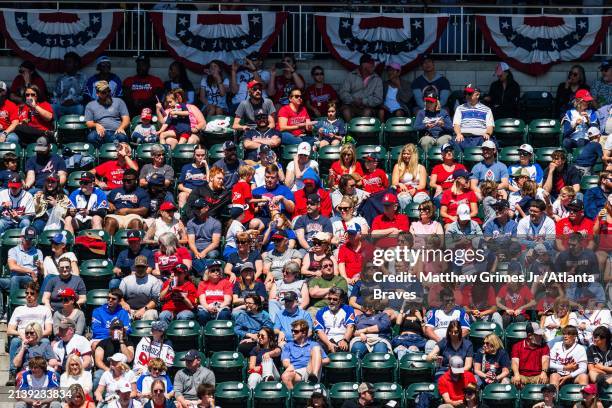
280 65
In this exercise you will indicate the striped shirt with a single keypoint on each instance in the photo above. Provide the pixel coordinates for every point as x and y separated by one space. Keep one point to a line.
473 119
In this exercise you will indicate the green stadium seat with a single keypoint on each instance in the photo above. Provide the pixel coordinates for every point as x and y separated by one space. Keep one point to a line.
380 151
479 330
536 104
120 241
96 273
510 131
219 336
184 334
140 329
343 367
29 152
378 367
386 391
509 155
588 182
326 156
106 152
543 155
471 156
399 130
514 333
413 390
288 153
182 154
215 152
143 154
412 211
179 363
500 395
531 394
44 240
95 298
605 395
83 254
15 299
73 181
10 238
71 128
365 130
228 366
413 367
302 391
82 148
434 156
13 148
341 392
232 394
544 132
270 394
569 394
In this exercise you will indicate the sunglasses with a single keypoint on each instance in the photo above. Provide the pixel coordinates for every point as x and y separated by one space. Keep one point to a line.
112 298
30 94
30 293
317 242
215 270
296 96
29 333
242 242
130 180
423 209
297 331
327 265
277 240
317 73
158 391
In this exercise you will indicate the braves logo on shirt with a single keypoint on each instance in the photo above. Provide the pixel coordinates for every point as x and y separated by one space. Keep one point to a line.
127 198
489 175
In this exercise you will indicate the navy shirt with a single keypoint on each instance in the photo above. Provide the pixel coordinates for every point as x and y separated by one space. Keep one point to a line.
5 175
312 226
495 361
136 199
237 263
494 228
589 155
251 154
466 349
125 259
230 172
191 176
42 166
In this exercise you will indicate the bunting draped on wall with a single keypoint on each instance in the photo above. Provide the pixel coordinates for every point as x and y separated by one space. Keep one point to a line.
196 38
44 36
400 39
532 44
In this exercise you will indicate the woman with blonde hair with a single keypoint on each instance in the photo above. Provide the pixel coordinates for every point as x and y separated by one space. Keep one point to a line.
578 120
75 374
554 323
409 177
76 397
321 249
156 371
346 164
459 193
169 255
32 347
491 362
112 380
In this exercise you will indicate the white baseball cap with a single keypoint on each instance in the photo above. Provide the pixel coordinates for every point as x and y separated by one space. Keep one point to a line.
593 131
463 212
488 144
304 148
526 147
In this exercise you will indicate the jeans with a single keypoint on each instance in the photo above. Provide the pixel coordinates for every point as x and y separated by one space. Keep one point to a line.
97 375
6 224
360 349
228 251
109 137
569 143
113 284
167 316
14 347
204 316
12 138
18 281
471 141
39 225
289 138
61 110
199 265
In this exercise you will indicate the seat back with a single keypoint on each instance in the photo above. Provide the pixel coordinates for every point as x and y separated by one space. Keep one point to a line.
544 132
365 130
395 152
378 367
10 238
95 298
414 367
29 152
219 336
379 151
509 155
82 148
502 395
181 155
96 273
399 130
326 156
471 156
106 152
414 389
479 330
184 334
85 252
536 104
74 180
341 392
44 240
343 367
144 155
270 394
228 366
386 391
531 394
140 329
180 364
543 155
510 131
302 391
232 394
588 182
514 333
569 394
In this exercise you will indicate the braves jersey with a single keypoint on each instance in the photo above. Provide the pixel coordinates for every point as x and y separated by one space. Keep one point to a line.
439 320
95 201
22 203
561 356
334 324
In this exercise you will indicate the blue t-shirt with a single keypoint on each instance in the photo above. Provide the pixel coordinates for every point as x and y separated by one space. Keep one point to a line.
114 82
136 199
495 172
280 189
589 155
312 226
495 361
203 231
299 355
125 259
290 235
466 349
191 176
237 263
43 166
494 229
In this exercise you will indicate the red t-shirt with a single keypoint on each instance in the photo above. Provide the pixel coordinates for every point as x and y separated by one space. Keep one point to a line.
241 194
467 298
515 300
8 113
375 181
565 228
178 306
24 112
452 201
455 388
166 263
445 178
284 87
113 174
300 203
400 221
215 291
353 260
530 358
142 88
320 97
19 83
340 171
293 118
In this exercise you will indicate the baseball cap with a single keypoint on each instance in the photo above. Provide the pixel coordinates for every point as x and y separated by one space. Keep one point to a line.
101 59
389 199
141 260
540 249
353 229
180 268
279 234
118 358
191 355
446 146
430 97
534 328
304 148
116 324
521 172
290 296
29 233
125 387
314 199
102 86
159 325
229 145
3 86
469 88
59 238
87 176
214 263
463 212
260 113
66 324
426 57
133 235
167 206
15 180
67 293
395 66
461 173
321 236
456 365
501 67
605 65
247 266
42 144
488 144
200 203
526 148
590 389
236 210
370 157
252 84
365 58
146 113
263 149
593 131
501 204
142 58
157 179
576 205
53 176
365 386
584 95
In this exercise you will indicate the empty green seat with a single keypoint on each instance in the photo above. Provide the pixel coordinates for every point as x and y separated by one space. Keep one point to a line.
509 155
500 395
471 156
184 334
413 367
379 151
479 330
215 152
326 156
605 395
179 363
569 394
106 152
96 273
341 392
343 367
412 211
536 104
365 130
13 148
82 148
270 394
140 329
182 154
302 391
95 298
544 132
378 367
531 394
509 131
514 333
386 391
588 182
399 130
15 299
232 394
411 393
228 366
219 336
543 155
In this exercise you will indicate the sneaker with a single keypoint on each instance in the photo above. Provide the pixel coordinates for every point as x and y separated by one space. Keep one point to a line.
11 380
268 379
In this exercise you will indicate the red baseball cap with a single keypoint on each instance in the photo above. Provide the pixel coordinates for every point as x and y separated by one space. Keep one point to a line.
584 95
68 293
253 83
167 206
146 113
389 198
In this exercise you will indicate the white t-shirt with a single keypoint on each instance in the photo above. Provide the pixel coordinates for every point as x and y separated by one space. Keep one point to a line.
560 356
113 384
230 236
339 227
49 266
84 380
559 210
298 184
24 315
213 96
550 334
525 228
77 345
134 403
23 202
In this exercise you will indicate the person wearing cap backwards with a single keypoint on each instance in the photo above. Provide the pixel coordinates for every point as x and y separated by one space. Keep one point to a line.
17 205
69 87
365 399
362 90
103 66
261 135
128 205
230 163
473 122
140 291
158 165
116 342
245 113
242 75
453 382
187 380
578 120
530 358
576 222
534 170
433 122
396 94
106 116
569 359
307 225
504 93
8 117
27 75
490 169
142 89
429 80
42 165
390 223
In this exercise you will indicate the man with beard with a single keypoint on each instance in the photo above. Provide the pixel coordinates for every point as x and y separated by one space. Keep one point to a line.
43 164
8 117
595 198
229 164
307 225
128 205
88 206
125 264
279 197
490 169
335 323
260 136
203 235
158 194
141 89
530 359
312 185
575 222
107 117
213 192
140 291
255 102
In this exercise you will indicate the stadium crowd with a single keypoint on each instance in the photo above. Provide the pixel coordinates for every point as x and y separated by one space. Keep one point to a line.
281 246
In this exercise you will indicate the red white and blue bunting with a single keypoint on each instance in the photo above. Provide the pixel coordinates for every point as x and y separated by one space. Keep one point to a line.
532 44
196 38
44 36
400 39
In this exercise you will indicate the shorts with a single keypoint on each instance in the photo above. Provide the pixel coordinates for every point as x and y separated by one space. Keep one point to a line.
124 220
181 128
303 372
530 380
